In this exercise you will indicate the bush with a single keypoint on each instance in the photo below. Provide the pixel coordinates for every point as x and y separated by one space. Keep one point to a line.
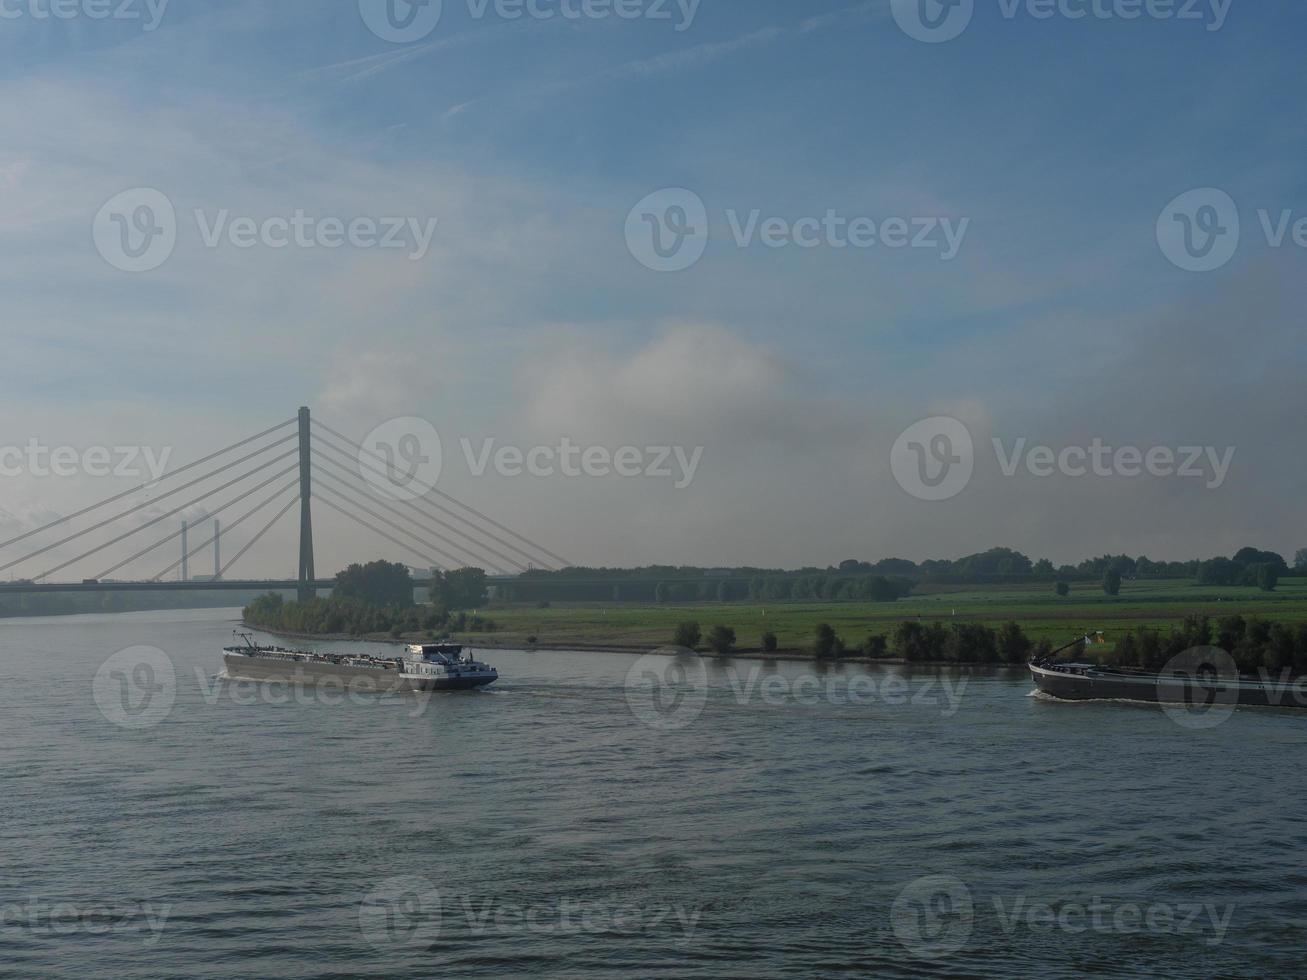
876 645
1112 582
827 644
1063 589
721 639
1268 577
1013 644
769 642
687 635
532 640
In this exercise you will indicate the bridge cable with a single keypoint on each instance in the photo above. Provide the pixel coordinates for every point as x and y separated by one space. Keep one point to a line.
352 457
230 527
266 528
454 500
178 510
534 559
179 532
449 558
145 486
481 546
375 530
131 510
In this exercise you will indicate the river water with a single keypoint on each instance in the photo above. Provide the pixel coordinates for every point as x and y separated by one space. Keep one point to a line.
599 815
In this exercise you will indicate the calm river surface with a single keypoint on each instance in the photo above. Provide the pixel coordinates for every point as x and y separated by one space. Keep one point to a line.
753 820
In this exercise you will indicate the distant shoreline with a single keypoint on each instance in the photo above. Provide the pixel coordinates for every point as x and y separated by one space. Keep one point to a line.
790 655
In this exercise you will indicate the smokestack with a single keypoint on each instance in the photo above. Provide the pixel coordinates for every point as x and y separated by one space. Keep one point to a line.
186 575
217 550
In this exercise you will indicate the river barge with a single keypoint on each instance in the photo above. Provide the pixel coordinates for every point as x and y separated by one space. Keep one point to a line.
424 667
1201 677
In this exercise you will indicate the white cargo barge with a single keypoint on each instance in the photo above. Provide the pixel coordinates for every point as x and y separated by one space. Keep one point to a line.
425 667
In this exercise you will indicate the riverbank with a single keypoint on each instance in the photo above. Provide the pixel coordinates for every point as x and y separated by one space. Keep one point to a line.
479 643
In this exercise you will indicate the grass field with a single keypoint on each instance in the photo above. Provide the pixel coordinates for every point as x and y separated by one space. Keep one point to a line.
1041 613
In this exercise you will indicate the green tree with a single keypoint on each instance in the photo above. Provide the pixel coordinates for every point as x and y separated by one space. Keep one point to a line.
462 588
378 583
828 644
1112 582
769 642
687 635
1013 644
876 646
1063 589
1300 561
1268 577
721 639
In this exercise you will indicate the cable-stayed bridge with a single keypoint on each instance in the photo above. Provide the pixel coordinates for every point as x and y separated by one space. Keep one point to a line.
300 461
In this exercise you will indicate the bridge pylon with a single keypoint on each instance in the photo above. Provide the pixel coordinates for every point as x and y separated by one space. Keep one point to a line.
306 577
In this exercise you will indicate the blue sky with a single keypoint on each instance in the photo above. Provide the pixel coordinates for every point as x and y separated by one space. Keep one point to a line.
1059 141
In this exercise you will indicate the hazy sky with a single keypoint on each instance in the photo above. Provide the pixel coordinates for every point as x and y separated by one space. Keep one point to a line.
1032 159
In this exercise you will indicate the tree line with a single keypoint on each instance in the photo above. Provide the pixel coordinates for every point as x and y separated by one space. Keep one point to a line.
915 642
379 598
1255 644
880 581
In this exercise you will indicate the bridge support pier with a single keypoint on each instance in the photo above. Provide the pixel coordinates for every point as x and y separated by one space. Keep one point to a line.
306 576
